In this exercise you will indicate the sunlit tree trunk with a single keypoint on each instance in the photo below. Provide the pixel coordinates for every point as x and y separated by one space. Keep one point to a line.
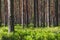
10 15
48 13
22 15
21 11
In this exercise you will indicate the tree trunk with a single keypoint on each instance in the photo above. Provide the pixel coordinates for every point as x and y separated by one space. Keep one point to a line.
43 13
24 13
0 14
21 11
10 15
6 11
35 13
56 12
48 13
27 11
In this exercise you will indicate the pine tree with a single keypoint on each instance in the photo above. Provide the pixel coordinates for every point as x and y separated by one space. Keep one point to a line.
56 12
35 13
10 15
0 14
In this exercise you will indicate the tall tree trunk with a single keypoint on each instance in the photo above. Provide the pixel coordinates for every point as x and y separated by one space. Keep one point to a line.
10 15
41 13
44 13
56 12
35 13
59 12
27 11
48 13
24 13
32 12
6 11
21 11
0 14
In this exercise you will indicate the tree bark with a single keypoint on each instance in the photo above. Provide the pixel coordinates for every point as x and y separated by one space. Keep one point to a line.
35 13
0 14
10 15
48 13
56 12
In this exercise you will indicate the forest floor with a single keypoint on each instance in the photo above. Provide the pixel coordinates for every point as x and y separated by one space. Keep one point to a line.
51 33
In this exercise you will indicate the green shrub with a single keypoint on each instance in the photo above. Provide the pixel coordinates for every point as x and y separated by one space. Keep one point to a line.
58 36
11 36
30 34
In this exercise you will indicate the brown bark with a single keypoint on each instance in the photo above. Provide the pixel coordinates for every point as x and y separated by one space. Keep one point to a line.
0 14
